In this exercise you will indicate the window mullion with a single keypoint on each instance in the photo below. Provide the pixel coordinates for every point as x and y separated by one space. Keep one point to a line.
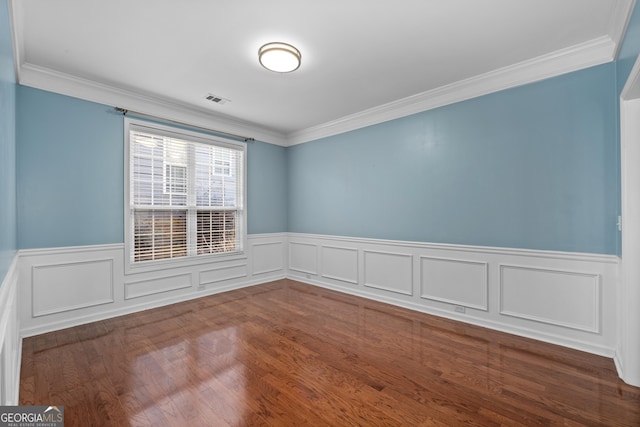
192 226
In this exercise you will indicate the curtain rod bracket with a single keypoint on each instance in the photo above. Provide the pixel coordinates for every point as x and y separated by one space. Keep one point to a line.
124 112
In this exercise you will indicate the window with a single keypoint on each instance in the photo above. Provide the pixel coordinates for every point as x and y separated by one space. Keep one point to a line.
185 195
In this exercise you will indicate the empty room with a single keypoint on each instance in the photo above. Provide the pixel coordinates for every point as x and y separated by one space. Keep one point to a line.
336 213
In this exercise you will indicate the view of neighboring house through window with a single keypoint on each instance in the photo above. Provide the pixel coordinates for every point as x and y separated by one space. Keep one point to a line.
186 194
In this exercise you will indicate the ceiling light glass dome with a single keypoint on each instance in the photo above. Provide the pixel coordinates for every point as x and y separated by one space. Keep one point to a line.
279 57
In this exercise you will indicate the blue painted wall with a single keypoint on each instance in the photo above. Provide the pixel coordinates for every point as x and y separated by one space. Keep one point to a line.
531 167
8 243
266 188
70 172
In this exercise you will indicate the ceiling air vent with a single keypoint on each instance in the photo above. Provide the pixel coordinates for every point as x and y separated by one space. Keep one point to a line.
217 99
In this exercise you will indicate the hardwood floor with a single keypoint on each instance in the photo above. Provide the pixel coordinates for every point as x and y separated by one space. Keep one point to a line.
289 354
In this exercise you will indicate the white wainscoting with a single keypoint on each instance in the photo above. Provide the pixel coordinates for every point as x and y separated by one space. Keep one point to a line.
388 271
470 281
268 257
562 298
303 258
69 286
340 263
223 273
10 339
63 287
157 285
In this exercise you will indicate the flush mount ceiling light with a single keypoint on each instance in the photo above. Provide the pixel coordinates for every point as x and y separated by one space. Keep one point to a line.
279 57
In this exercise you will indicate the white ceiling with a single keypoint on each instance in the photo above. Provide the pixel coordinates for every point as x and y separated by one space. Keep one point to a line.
363 61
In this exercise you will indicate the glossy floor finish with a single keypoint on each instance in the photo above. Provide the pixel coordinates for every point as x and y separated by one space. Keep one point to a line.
290 354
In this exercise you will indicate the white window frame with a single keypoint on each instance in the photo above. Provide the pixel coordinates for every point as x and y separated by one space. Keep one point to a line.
189 135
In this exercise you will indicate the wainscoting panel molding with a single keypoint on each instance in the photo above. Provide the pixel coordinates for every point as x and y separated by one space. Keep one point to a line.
156 285
10 339
303 257
559 297
339 263
64 287
268 257
470 280
389 271
563 298
71 286
222 273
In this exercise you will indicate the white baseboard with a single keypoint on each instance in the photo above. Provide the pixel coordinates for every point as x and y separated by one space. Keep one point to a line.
562 298
10 338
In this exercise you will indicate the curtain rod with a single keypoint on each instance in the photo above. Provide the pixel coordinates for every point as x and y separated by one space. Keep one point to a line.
124 112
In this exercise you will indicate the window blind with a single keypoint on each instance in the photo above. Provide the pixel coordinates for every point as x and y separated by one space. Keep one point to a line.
186 197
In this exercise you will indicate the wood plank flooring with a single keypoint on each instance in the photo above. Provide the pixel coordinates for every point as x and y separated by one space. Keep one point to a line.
290 354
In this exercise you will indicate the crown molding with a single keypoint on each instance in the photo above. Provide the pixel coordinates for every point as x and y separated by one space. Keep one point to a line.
65 84
574 58
563 61
618 22
16 24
